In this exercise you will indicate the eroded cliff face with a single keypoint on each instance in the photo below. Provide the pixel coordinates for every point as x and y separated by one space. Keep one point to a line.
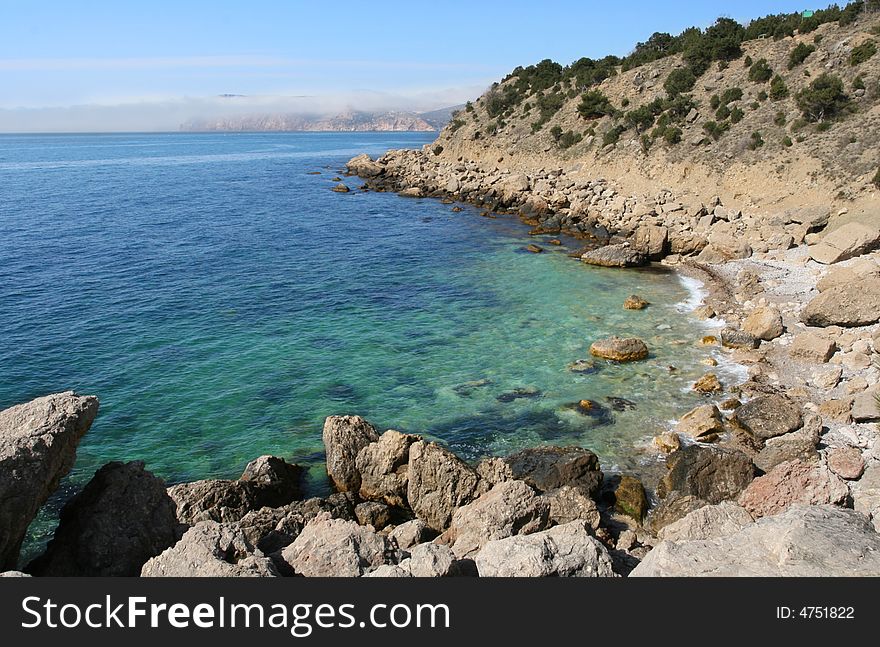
766 154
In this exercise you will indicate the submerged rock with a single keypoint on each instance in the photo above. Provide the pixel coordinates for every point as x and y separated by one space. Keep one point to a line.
121 519
340 188
38 443
803 541
709 383
635 302
620 350
519 393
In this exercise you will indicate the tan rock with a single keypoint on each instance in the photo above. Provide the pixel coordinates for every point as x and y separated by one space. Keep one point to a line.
848 241
620 350
764 323
701 422
813 348
667 442
709 383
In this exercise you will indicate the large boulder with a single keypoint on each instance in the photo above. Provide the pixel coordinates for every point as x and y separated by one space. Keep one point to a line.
848 241
344 437
438 483
672 508
510 508
768 416
652 241
852 305
764 323
122 518
210 549
800 444
330 547
383 467
266 481
702 423
622 255
619 350
564 551
630 498
569 504
38 443
814 217
549 468
803 541
792 482
811 347
839 275
708 522
712 474
364 166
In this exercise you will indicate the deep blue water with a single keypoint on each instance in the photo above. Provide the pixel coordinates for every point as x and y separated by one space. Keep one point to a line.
221 301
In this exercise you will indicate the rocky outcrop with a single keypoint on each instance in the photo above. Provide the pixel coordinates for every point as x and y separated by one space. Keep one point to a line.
564 551
383 467
510 508
792 482
344 437
711 474
850 305
38 443
330 547
619 350
803 541
550 468
211 549
439 482
267 481
621 255
121 519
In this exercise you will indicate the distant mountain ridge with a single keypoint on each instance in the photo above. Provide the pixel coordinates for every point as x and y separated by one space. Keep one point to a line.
351 121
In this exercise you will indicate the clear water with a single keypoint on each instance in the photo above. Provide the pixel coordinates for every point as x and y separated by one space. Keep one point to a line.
221 301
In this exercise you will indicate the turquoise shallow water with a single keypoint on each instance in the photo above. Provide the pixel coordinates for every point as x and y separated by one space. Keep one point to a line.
221 301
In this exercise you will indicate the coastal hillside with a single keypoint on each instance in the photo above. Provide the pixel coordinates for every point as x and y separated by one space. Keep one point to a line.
351 121
782 111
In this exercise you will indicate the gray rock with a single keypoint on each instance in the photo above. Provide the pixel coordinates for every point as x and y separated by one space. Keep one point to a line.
768 416
373 513
510 508
37 449
364 166
383 467
439 482
621 255
865 407
122 518
569 504
210 549
803 541
549 468
411 533
672 508
712 474
866 494
564 551
708 522
494 470
266 481
344 437
800 444
731 338
431 560
335 548
851 305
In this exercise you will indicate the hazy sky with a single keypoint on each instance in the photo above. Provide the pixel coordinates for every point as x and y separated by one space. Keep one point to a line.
102 65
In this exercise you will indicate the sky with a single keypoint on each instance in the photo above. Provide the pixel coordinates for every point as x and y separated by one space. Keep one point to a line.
117 65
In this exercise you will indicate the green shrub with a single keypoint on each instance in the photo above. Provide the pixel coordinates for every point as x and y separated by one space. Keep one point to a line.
786 141
754 105
823 99
715 101
624 102
798 123
800 139
817 39
469 107
612 136
858 83
731 94
645 142
799 54
642 118
679 81
715 130
862 53
455 124
779 119
760 71
672 136
762 96
438 149
850 13
569 139
778 89
556 133
756 141
747 61
594 104
722 113
736 115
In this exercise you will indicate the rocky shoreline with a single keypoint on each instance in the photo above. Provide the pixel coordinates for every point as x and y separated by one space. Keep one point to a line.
777 476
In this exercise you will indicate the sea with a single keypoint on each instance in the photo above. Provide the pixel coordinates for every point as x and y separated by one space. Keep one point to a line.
221 301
